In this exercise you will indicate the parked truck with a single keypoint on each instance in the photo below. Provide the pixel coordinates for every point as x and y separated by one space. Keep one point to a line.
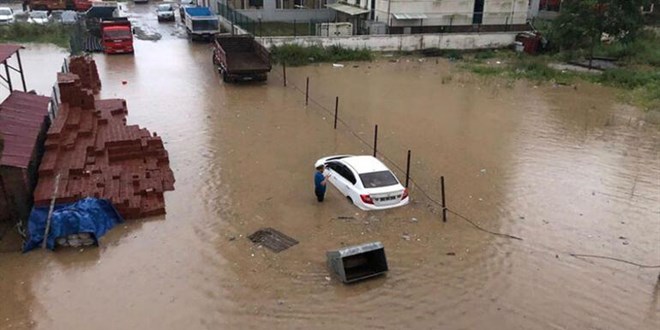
47 4
240 58
112 33
50 5
201 23
116 35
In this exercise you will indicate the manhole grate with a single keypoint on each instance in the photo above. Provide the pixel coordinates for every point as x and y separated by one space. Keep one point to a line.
272 239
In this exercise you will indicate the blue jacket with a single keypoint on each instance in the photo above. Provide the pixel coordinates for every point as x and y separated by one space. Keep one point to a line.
318 178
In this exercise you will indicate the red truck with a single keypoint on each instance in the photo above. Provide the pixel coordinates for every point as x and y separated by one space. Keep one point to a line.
77 5
47 4
116 36
81 5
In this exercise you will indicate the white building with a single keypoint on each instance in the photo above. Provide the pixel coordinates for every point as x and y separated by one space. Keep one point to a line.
392 16
280 10
428 16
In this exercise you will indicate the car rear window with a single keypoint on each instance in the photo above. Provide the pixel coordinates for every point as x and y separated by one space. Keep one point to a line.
378 179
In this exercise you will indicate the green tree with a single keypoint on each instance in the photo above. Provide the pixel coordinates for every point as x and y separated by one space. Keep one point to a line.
581 22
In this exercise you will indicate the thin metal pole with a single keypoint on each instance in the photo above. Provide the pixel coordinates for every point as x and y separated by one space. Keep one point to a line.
233 20
50 211
20 69
408 169
284 72
336 110
8 76
444 206
375 140
307 92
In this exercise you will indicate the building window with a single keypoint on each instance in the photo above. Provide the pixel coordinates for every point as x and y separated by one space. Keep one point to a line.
256 4
236 4
300 4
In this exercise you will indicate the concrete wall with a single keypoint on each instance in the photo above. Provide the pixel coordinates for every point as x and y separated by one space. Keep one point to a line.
289 15
443 12
402 42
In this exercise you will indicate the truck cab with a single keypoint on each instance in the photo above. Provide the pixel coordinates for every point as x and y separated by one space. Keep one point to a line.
116 36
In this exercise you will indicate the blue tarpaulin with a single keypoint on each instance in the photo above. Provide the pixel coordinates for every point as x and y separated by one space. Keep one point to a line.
89 215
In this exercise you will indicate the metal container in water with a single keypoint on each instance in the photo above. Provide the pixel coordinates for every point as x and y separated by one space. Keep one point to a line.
358 262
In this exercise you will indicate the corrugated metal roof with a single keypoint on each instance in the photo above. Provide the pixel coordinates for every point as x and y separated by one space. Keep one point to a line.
21 118
347 9
405 16
6 51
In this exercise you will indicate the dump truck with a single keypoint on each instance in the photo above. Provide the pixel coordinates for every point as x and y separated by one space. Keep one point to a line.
110 32
80 5
116 35
240 58
50 5
201 23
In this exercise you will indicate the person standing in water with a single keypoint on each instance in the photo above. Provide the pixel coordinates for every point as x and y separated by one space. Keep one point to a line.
320 182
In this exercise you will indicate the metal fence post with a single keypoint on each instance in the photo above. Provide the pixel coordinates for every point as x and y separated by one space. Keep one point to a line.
408 169
444 206
375 140
307 92
336 110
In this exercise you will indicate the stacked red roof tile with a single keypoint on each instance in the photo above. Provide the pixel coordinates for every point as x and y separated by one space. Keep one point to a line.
97 155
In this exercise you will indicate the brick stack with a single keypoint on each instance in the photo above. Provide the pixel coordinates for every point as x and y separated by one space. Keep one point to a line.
85 68
98 155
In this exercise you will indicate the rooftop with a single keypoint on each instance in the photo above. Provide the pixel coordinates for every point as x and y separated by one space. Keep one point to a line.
22 117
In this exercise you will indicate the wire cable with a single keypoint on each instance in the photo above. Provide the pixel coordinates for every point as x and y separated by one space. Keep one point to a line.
576 255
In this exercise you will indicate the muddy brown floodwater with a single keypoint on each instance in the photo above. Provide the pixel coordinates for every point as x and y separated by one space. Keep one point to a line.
567 169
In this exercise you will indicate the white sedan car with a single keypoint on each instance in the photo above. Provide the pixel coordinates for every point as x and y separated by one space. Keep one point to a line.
6 15
38 17
365 181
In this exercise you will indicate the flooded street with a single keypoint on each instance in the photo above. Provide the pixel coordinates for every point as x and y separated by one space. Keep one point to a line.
568 170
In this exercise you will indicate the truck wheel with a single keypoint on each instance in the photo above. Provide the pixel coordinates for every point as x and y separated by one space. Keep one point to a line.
225 78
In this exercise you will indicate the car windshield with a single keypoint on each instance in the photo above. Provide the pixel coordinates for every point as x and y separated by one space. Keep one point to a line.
5 12
164 8
38 14
378 179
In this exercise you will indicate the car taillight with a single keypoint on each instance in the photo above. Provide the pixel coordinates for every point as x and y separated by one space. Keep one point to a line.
405 194
367 199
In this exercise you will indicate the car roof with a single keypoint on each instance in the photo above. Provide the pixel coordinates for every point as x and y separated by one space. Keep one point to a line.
364 164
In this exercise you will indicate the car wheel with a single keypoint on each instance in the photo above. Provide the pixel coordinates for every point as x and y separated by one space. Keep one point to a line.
350 199
225 78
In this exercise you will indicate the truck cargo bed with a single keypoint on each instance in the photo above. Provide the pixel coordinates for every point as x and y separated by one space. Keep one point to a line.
243 62
241 58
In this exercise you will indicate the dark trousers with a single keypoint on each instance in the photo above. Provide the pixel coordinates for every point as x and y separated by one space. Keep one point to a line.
320 193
